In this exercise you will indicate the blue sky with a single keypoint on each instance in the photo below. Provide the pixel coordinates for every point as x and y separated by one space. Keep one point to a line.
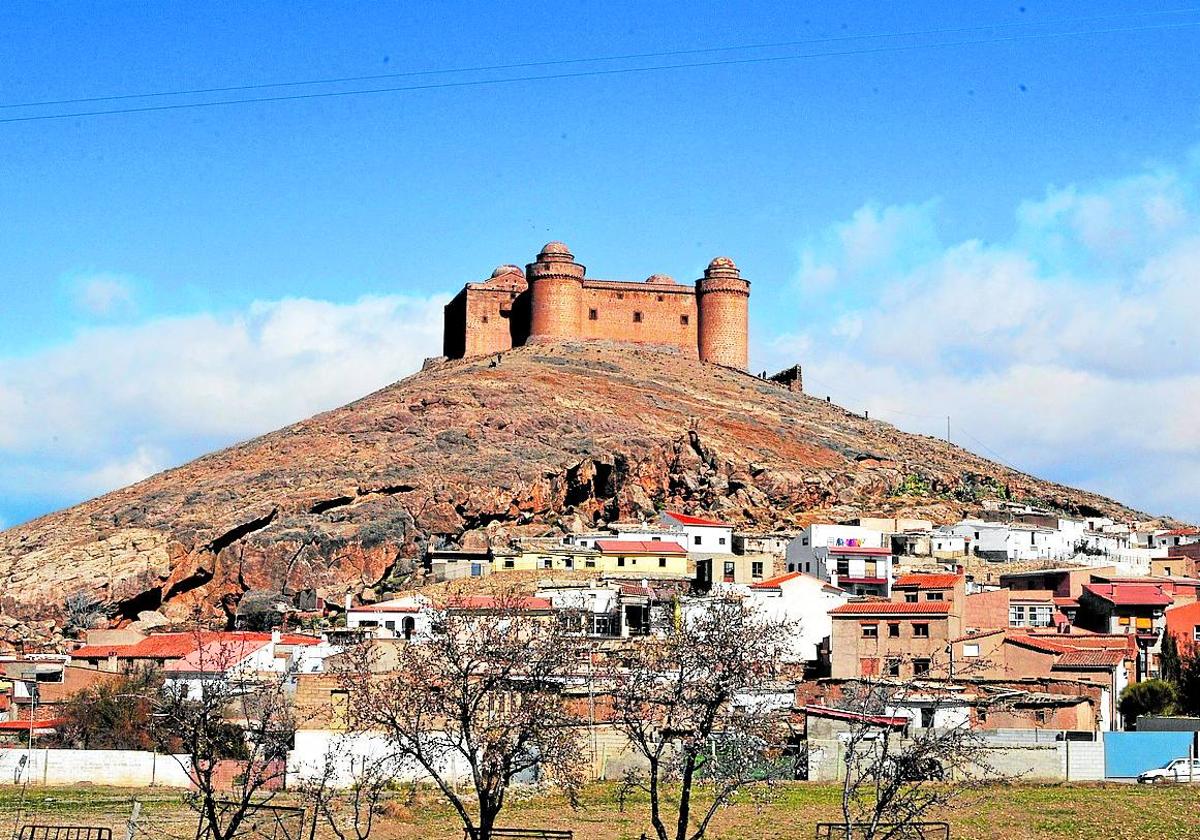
1003 230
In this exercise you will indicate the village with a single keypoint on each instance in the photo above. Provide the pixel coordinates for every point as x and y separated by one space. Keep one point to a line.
1061 616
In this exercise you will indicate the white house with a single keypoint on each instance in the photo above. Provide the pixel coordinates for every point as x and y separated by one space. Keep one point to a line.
399 618
702 535
233 658
802 599
1012 540
1174 537
807 548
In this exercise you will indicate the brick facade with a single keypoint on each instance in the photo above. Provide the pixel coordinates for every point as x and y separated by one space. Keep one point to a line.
553 300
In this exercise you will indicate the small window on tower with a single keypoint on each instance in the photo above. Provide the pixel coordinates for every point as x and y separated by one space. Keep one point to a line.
683 319
637 317
593 314
485 319
660 298
620 296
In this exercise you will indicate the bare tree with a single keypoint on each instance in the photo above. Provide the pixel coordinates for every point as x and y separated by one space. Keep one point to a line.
81 612
910 751
687 704
346 793
481 696
222 712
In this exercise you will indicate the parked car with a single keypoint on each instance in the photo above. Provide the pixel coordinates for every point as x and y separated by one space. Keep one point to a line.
1179 770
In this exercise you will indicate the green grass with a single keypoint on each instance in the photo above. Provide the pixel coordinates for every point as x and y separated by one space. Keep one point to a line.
1005 812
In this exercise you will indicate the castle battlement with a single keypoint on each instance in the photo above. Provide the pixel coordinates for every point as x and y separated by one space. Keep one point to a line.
553 299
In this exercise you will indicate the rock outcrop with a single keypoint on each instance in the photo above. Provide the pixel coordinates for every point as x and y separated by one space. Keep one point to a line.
549 438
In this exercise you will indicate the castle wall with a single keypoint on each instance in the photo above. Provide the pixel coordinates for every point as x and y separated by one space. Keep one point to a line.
553 301
639 312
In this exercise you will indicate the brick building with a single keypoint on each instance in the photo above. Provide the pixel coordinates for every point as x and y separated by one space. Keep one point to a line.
553 300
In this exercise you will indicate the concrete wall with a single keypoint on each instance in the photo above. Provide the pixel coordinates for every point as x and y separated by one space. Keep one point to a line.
116 768
1022 758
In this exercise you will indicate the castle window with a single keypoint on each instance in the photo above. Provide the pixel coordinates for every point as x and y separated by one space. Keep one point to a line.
637 317
660 298
683 319
620 296
593 314
485 319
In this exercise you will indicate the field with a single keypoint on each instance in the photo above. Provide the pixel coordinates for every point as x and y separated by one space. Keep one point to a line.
1018 812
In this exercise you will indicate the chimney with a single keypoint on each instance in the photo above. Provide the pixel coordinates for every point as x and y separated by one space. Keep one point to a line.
349 601
276 636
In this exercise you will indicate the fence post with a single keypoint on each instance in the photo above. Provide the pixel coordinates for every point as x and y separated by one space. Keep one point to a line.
131 826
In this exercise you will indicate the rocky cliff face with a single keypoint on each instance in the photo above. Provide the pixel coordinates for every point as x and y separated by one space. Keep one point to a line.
551 438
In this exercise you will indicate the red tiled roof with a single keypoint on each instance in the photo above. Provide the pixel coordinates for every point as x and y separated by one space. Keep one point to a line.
934 608
917 581
842 714
1090 659
779 580
640 547
1036 643
1181 532
1066 602
26 725
684 519
216 656
179 645
1130 594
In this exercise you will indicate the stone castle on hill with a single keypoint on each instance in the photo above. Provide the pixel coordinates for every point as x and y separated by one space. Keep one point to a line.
553 300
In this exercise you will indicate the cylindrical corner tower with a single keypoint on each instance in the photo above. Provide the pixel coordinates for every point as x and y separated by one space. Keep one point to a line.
722 301
556 293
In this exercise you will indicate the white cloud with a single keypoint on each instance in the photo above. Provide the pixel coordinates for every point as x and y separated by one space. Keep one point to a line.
102 295
1070 349
118 403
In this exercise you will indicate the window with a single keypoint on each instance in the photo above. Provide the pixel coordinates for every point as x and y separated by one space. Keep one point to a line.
926 717
720 541
981 714
935 596
589 564
656 539
593 314
696 540
508 564
893 667
391 625
660 298
920 666
485 320
843 568
637 317
970 650
683 319
620 296
804 541
870 631
808 567
547 563
729 573
894 629
1041 716
1196 633
921 631
662 562
620 561
910 597
756 570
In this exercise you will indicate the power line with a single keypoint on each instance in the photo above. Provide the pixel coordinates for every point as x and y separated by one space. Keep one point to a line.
591 73
593 59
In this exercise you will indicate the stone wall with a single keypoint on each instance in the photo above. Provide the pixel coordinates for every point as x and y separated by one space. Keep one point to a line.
113 768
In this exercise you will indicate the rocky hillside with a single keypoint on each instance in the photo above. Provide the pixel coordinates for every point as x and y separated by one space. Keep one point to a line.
466 452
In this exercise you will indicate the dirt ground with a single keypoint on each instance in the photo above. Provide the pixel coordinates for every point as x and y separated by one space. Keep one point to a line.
1009 812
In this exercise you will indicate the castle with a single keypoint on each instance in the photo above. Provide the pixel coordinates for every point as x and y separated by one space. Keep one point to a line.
553 300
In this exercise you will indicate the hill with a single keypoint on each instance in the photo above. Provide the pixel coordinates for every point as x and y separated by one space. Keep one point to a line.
549 438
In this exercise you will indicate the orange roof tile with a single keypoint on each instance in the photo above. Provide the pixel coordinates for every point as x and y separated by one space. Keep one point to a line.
930 581
684 519
873 608
658 547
